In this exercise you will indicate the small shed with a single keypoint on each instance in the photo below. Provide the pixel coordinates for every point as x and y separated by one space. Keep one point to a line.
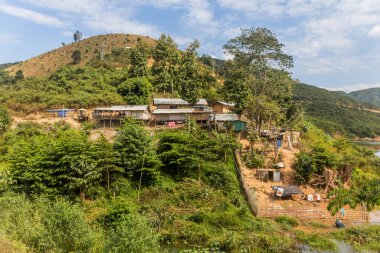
114 115
221 107
177 103
223 121
269 174
286 191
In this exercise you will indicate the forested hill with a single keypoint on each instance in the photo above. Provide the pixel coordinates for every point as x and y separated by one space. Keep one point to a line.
367 96
337 113
114 46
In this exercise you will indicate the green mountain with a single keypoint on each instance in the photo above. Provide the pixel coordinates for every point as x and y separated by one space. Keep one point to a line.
337 113
367 96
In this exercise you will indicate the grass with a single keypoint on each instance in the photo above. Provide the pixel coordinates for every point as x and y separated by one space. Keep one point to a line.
361 238
316 241
287 221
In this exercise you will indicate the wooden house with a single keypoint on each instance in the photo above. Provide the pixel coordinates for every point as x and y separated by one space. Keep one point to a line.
227 121
114 115
177 103
163 116
221 107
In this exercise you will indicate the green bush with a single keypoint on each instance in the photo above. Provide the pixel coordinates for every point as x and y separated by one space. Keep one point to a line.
316 241
132 233
136 91
287 220
5 120
44 225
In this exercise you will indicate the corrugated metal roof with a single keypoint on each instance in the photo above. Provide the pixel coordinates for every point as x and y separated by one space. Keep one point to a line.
176 101
226 104
123 108
224 117
173 111
288 190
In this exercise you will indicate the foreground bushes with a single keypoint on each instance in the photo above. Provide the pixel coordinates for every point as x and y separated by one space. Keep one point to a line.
46 226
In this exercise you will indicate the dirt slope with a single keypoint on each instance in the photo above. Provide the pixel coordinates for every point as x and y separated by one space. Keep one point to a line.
49 62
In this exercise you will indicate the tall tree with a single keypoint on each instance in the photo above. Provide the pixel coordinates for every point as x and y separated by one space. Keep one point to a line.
77 36
135 91
367 195
139 60
166 64
136 152
192 77
258 76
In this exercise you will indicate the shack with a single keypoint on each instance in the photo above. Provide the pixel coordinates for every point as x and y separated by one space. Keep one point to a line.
286 191
114 115
227 121
221 107
177 103
179 116
61 113
269 174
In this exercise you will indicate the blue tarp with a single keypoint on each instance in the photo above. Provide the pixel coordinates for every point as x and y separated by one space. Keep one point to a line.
61 112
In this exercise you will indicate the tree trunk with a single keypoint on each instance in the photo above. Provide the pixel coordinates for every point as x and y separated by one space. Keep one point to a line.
108 180
81 193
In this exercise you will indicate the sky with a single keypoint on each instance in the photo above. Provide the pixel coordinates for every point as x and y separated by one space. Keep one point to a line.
335 43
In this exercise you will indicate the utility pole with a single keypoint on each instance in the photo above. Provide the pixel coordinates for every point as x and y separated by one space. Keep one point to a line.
102 51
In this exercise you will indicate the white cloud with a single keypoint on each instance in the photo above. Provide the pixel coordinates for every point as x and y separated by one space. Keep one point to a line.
107 16
354 87
68 33
232 32
9 39
375 32
30 15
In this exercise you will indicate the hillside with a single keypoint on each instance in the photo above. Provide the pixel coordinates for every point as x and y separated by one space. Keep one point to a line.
367 96
49 62
336 113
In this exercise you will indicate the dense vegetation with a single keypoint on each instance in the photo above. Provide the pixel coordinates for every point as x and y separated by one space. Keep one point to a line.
174 189
70 86
337 113
367 96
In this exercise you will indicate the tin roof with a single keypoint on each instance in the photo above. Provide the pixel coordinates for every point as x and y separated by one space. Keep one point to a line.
288 190
123 108
226 104
173 111
176 101
224 117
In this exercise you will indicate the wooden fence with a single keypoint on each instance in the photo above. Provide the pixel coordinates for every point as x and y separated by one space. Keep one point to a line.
312 213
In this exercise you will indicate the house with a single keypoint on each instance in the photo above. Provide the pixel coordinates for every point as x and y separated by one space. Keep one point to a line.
177 103
114 115
225 121
223 107
163 116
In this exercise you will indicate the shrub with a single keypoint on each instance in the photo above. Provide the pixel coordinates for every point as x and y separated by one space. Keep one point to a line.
132 233
44 225
287 220
135 91
5 120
